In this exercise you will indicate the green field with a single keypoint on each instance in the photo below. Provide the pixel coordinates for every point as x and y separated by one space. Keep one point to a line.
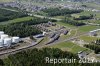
87 28
89 38
66 25
6 0
69 46
17 20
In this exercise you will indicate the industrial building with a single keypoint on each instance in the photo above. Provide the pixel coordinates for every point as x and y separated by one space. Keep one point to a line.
65 32
82 54
40 35
6 41
54 38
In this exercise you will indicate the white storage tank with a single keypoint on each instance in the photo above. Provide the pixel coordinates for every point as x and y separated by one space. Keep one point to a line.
15 39
1 43
1 33
7 42
4 36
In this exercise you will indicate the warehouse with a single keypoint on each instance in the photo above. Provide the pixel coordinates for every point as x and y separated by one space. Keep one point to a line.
39 36
56 37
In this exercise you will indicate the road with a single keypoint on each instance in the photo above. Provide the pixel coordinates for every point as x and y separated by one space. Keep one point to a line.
47 17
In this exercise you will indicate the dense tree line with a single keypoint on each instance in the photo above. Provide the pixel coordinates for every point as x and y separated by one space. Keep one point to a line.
35 21
36 57
73 22
20 30
94 47
8 15
58 11
84 17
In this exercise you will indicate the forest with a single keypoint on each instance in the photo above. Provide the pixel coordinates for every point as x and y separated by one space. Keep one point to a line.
20 30
94 46
9 15
36 57
59 12
35 21
24 28
84 17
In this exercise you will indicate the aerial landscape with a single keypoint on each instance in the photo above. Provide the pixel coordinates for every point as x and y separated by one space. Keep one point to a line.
49 32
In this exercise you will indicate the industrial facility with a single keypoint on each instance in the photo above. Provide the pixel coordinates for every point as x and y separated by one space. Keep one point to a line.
7 41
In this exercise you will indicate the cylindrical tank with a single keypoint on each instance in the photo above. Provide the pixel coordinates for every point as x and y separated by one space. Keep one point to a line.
4 36
1 43
7 42
15 39
1 33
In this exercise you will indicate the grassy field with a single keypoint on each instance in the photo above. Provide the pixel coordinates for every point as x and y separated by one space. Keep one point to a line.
6 1
72 33
66 25
87 28
17 20
69 46
89 38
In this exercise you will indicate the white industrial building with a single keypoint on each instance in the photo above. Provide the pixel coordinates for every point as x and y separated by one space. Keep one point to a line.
3 36
92 33
6 41
15 39
1 43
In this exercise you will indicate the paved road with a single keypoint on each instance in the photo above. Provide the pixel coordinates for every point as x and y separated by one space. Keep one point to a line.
47 17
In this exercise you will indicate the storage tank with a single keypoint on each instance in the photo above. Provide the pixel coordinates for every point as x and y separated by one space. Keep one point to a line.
1 33
4 36
7 42
1 43
15 39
